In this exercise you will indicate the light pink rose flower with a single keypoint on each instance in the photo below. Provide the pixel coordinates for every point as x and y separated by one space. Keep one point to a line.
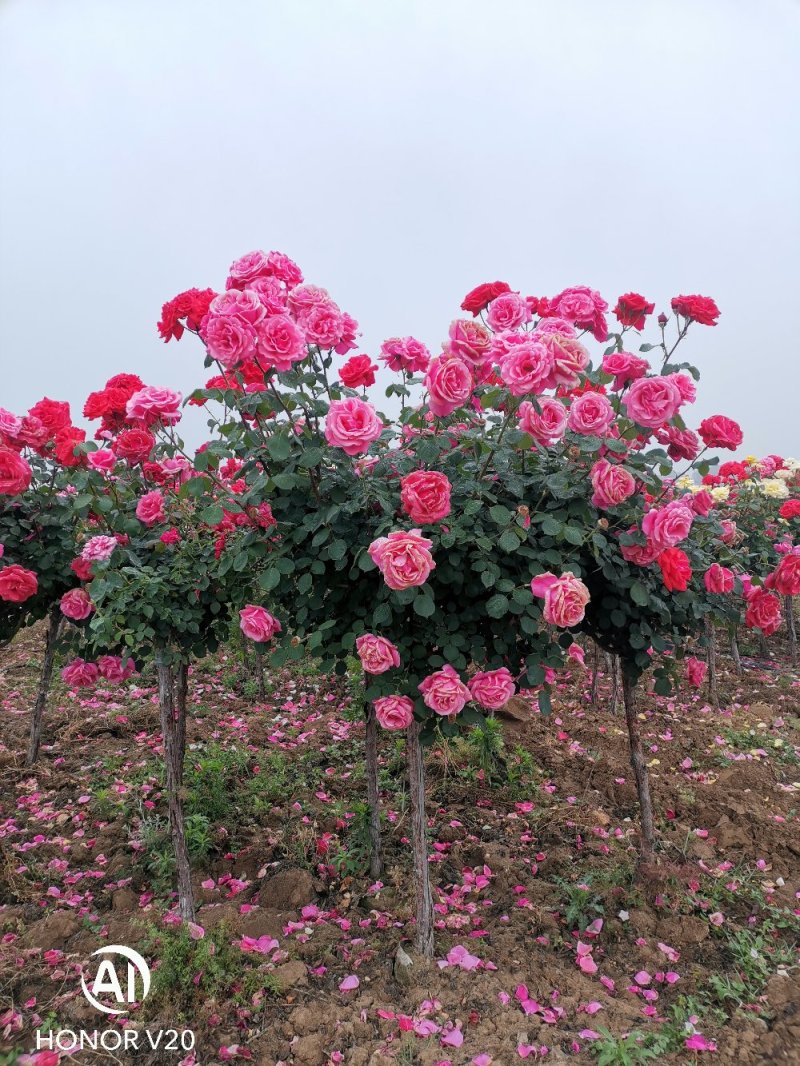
113 668
246 269
508 311
625 367
303 297
718 579
403 558
150 508
10 424
652 401
546 426
103 460
444 692
591 413
639 554
258 624
76 605
554 325
98 549
685 386
80 674
469 340
565 598
352 425
377 654
612 484
245 304
394 712
425 496
583 306
667 526
229 339
527 368
570 359
405 353
150 405
492 688
449 384
280 343
729 531
322 324
271 294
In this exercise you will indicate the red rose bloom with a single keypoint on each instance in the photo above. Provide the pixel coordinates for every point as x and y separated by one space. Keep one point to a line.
54 414
675 569
632 309
105 403
134 445
17 584
358 371
763 611
15 473
82 569
479 298
787 576
66 440
720 432
700 309
191 306
790 509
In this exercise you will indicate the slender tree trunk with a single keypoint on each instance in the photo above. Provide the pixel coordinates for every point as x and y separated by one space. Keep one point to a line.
615 672
647 850
373 800
259 657
763 646
737 659
711 659
595 675
419 843
788 602
54 624
172 684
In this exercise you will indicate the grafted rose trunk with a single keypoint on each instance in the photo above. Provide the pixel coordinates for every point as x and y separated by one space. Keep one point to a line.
737 659
790 623
172 686
373 800
423 940
711 658
54 624
259 658
595 674
648 837
615 673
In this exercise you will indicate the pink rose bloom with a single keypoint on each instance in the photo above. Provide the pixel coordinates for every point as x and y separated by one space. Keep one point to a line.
245 304
612 484
444 692
554 325
113 668
547 425
150 508
76 605
10 424
377 654
405 353
565 598
625 367
98 549
492 688
150 405
270 293
280 343
80 674
449 384
527 368
685 386
576 652
403 558
786 576
323 324
303 297
258 624
246 269
469 340
15 473
729 531
591 414
103 460
352 425
584 307
653 401
638 554
170 536
425 496
2 550
667 526
508 311
229 339
394 712
570 359
695 671
718 579
702 502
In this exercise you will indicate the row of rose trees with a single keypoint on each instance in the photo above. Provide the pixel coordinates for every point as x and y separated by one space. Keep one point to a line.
523 493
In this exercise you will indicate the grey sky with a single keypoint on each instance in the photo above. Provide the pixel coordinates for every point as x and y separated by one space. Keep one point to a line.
401 152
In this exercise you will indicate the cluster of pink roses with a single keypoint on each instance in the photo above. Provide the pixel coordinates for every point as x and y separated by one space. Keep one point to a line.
258 624
82 674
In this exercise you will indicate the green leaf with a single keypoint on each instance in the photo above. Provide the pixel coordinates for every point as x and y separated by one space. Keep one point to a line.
279 447
497 606
551 527
545 705
269 580
212 515
639 594
424 605
508 541
501 515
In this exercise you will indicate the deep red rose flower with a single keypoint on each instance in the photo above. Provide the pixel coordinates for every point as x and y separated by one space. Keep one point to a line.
632 310
66 440
721 432
17 584
734 470
763 611
54 414
15 472
479 298
787 576
790 509
134 445
186 310
81 568
129 383
104 403
358 371
700 309
675 569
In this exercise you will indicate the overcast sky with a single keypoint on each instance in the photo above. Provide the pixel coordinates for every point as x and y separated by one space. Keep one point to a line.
401 152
